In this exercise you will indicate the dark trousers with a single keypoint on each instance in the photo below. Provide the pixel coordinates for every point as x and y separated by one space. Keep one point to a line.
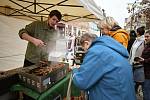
27 63
147 89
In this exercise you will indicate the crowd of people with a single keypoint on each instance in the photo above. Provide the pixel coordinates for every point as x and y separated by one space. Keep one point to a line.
114 66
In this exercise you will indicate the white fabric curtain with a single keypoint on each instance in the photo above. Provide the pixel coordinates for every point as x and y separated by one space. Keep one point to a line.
92 7
12 48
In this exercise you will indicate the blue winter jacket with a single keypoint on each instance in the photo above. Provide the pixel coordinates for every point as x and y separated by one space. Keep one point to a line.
105 72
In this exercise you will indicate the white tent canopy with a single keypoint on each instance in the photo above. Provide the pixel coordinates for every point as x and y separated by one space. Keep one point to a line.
85 10
93 8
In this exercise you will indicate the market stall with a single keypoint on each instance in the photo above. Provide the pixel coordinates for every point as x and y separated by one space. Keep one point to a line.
46 83
57 92
14 15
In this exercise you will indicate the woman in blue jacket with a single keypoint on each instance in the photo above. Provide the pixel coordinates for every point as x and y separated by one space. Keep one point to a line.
105 72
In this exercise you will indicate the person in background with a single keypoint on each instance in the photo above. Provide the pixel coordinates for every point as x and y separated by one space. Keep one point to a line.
38 34
145 60
105 73
136 51
110 27
132 39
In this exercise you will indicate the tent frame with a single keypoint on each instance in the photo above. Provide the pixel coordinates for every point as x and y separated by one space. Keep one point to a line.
36 14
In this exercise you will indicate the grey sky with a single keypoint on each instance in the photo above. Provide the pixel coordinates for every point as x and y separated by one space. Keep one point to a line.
115 8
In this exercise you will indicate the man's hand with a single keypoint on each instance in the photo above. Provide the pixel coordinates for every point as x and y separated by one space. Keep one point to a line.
38 42
141 60
35 41
138 60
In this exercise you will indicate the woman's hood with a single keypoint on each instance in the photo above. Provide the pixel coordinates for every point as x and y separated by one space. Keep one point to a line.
117 29
112 44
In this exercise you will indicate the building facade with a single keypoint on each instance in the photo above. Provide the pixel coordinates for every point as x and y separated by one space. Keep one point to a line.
140 15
